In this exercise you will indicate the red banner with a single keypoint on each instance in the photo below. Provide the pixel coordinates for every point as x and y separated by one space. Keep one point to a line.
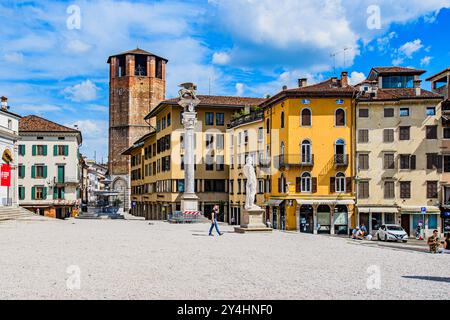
6 175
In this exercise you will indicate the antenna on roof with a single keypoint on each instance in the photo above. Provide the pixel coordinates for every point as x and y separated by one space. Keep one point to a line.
333 55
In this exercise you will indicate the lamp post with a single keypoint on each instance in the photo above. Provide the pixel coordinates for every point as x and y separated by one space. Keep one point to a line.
189 100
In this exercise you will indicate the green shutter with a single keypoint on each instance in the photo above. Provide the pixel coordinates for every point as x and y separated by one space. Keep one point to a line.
55 150
66 151
34 150
33 172
45 150
55 193
62 193
45 171
33 193
44 193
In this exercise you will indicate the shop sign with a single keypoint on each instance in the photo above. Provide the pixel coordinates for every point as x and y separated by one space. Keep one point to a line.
6 175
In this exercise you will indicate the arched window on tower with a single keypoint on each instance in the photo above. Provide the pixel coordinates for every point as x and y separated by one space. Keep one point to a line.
340 118
282 120
306 118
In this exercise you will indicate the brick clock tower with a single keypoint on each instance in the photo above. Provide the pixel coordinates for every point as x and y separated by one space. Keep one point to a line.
137 85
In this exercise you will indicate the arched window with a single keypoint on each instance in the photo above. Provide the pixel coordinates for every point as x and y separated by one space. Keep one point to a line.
340 151
339 118
306 118
306 152
268 126
282 152
282 184
282 120
306 182
340 182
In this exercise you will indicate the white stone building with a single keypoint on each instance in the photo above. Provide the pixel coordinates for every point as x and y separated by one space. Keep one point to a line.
96 176
9 128
49 167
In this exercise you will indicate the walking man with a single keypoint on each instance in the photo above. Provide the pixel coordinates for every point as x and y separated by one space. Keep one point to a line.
214 215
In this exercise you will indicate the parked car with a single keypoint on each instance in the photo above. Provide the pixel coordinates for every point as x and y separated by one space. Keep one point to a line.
392 232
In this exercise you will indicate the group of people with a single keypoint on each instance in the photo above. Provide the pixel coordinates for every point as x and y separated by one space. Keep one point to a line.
360 233
438 246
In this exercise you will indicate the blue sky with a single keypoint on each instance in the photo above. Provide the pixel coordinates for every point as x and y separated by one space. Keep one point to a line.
54 65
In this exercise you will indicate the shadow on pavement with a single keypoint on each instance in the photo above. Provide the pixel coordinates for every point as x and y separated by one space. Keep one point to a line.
436 279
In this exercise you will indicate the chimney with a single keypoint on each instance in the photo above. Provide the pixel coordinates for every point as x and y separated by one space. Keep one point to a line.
4 104
344 79
417 87
303 82
334 82
285 88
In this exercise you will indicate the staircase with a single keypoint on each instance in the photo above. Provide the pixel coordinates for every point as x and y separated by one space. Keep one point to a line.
15 213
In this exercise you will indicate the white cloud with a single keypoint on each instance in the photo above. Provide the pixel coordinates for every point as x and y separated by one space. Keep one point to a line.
95 136
221 58
84 91
13 57
425 61
78 46
240 87
409 48
356 77
384 43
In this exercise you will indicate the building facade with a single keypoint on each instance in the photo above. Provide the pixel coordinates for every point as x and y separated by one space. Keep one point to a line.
398 151
309 133
440 84
49 168
9 135
137 85
157 166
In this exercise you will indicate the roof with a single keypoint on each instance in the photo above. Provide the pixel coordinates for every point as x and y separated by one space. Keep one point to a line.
393 71
328 88
438 74
138 143
37 124
11 113
136 51
216 101
400 94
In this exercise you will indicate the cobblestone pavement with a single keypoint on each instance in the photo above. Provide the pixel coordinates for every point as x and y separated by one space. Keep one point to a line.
135 259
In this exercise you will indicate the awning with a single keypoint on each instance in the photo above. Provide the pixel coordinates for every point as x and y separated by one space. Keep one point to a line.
274 203
418 210
377 210
325 202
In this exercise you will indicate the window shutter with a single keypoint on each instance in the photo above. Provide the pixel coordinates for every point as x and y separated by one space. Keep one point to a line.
44 193
332 185
279 185
34 150
413 162
439 163
55 150
55 193
45 150
66 151
33 193
45 171
62 193
298 187
349 186
33 172
314 185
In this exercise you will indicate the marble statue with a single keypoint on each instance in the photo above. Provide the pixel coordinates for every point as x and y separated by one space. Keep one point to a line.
249 172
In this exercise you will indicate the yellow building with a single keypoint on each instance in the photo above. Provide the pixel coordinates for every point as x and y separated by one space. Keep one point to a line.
157 168
245 138
310 137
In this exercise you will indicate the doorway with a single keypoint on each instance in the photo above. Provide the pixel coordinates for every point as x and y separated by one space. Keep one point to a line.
324 219
406 223
306 219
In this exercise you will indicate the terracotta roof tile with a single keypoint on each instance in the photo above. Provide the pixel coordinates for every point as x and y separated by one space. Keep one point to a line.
400 94
38 124
136 51
394 69
441 73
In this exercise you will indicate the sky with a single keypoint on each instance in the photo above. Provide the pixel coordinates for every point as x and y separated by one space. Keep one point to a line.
53 54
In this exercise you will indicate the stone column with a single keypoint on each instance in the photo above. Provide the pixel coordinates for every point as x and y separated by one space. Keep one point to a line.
315 207
332 208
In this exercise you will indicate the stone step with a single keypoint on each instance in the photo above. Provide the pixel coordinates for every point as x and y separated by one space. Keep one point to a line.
14 213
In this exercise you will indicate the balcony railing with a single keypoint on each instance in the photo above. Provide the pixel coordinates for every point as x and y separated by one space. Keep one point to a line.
341 160
254 116
66 180
295 160
265 163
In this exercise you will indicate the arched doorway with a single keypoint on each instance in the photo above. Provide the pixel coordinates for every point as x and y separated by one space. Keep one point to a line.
306 219
120 186
324 219
341 220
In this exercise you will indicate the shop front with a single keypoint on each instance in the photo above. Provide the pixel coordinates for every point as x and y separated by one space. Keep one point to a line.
445 221
374 217
275 208
425 219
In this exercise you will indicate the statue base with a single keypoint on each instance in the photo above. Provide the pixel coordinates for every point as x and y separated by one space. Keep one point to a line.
189 202
252 221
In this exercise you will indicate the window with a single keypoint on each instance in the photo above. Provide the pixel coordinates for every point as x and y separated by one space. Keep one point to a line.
306 182
61 138
260 134
209 141
388 135
21 169
446 163
261 186
393 82
363 161
209 120
432 189
405 190
163 123
389 190
220 144
220 165
231 189
404 112
363 136
169 120
246 137
58 193
431 111
405 133
182 163
21 150
39 150
340 182
389 161
60 150
21 193
407 162
214 186
306 152
39 193
268 126
339 118
446 133
434 161
431 132
9 124
220 119
389 112
209 163
306 120
363 190
282 120
180 186
363 113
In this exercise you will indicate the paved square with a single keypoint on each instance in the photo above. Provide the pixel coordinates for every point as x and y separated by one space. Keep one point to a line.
134 259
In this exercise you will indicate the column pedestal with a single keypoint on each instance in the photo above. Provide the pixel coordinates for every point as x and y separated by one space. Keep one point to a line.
252 221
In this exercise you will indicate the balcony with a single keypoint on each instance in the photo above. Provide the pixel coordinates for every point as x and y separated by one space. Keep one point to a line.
254 116
295 160
66 181
341 160
265 163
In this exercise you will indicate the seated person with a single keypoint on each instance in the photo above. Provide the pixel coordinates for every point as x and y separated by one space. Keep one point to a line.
433 242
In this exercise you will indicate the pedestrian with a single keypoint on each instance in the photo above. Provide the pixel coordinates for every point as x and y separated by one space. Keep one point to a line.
433 242
446 243
214 224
